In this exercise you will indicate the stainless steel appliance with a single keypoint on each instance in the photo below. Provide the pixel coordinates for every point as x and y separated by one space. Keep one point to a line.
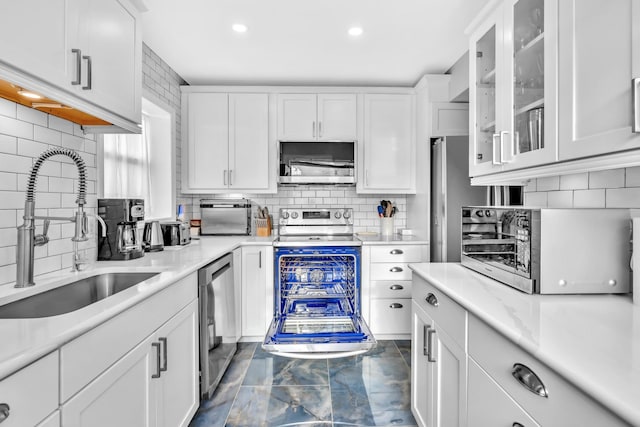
217 322
124 219
153 240
549 251
317 162
317 305
175 233
225 216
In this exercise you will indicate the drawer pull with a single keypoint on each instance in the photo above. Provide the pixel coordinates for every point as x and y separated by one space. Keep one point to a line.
395 305
516 424
529 380
425 340
4 411
432 299
396 252
430 334
395 269
164 353
396 287
157 346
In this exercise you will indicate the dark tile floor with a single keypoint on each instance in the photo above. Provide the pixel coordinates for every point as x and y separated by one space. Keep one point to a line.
260 389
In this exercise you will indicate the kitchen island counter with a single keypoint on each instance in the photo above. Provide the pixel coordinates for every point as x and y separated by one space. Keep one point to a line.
26 340
593 341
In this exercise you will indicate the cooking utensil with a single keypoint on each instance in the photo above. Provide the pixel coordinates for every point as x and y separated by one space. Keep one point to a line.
380 211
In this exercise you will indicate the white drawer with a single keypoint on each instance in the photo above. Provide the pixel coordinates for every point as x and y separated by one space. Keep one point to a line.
397 253
390 316
565 404
447 314
84 358
31 393
390 289
389 271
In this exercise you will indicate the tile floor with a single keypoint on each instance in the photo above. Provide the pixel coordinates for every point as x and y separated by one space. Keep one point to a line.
260 389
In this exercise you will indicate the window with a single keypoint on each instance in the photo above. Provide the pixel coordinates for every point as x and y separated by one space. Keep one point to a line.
142 166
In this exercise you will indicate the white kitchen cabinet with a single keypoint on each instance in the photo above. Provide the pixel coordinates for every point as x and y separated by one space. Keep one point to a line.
317 117
449 119
30 394
483 394
388 285
388 163
257 291
547 397
438 358
512 78
595 75
52 421
155 384
91 49
226 142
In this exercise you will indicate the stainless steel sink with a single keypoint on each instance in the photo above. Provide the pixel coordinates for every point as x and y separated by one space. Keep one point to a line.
73 296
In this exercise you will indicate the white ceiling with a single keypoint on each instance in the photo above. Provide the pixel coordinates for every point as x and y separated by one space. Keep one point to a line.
305 42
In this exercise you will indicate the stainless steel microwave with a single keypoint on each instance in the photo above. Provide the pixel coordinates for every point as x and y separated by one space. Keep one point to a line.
549 251
327 162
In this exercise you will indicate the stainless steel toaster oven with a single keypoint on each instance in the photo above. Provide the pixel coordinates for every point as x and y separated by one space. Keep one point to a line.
549 251
225 216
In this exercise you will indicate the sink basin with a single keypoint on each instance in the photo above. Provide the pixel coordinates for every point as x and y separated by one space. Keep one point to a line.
73 296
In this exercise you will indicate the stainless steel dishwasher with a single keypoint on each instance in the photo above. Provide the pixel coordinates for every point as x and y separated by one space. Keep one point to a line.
217 322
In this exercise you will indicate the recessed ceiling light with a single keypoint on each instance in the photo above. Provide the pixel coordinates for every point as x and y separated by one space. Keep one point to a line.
355 31
29 95
239 28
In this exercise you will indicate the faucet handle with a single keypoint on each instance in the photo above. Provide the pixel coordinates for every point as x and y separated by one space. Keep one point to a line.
42 239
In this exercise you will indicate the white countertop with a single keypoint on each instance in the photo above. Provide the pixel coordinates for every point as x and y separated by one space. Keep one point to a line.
26 340
372 238
591 340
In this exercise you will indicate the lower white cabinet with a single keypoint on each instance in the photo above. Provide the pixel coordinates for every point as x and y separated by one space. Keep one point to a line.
155 384
52 421
256 290
438 372
28 396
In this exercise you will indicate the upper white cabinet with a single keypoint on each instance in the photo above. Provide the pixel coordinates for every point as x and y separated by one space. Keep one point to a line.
90 49
317 117
226 143
595 76
513 87
387 161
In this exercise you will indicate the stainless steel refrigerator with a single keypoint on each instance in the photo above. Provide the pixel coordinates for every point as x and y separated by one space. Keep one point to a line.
450 190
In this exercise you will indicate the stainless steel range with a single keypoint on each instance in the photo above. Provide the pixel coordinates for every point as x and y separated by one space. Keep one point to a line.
317 308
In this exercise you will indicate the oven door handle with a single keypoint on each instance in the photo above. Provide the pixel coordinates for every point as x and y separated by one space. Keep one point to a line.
314 356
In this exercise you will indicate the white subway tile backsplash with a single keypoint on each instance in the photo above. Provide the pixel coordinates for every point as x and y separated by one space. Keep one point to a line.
48 264
48 200
613 178
578 181
623 197
8 273
589 198
548 183
12 200
632 177
72 142
8 144
15 127
8 108
560 199
13 163
31 115
60 125
46 135
51 167
8 237
8 218
7 255
61 185
531 186
30 148
537 199
8 181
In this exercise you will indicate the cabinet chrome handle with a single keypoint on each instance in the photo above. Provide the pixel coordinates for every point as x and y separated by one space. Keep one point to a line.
78 79
396 252
395 305
88 86
313 129
516 425
224 177
425 340
396 287
230 177
163 340
157 346
430 334
319 129
395 269
503 134
4 411
260 259
496 155
636 104
432 299
366 177
529 380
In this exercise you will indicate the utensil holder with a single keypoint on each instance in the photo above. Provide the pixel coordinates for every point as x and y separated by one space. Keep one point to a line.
263 226
386 226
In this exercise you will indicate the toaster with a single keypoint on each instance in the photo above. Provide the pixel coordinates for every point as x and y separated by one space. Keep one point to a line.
175 233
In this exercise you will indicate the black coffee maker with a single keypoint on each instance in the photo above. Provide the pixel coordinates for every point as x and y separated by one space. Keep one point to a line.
125 222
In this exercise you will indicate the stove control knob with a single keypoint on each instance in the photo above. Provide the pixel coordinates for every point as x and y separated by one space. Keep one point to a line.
338 214
285 214
294 214
346 214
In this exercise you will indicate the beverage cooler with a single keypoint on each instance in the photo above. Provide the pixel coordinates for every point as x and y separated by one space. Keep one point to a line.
317 307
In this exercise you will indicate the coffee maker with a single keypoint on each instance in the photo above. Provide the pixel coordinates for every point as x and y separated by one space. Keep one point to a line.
124 219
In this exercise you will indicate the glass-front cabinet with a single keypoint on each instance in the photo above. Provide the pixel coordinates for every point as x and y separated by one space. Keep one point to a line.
513 87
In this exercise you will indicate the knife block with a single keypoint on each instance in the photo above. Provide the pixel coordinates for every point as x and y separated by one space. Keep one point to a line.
263 226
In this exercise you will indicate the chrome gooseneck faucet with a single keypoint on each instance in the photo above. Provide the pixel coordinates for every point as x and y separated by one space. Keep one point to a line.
27 239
